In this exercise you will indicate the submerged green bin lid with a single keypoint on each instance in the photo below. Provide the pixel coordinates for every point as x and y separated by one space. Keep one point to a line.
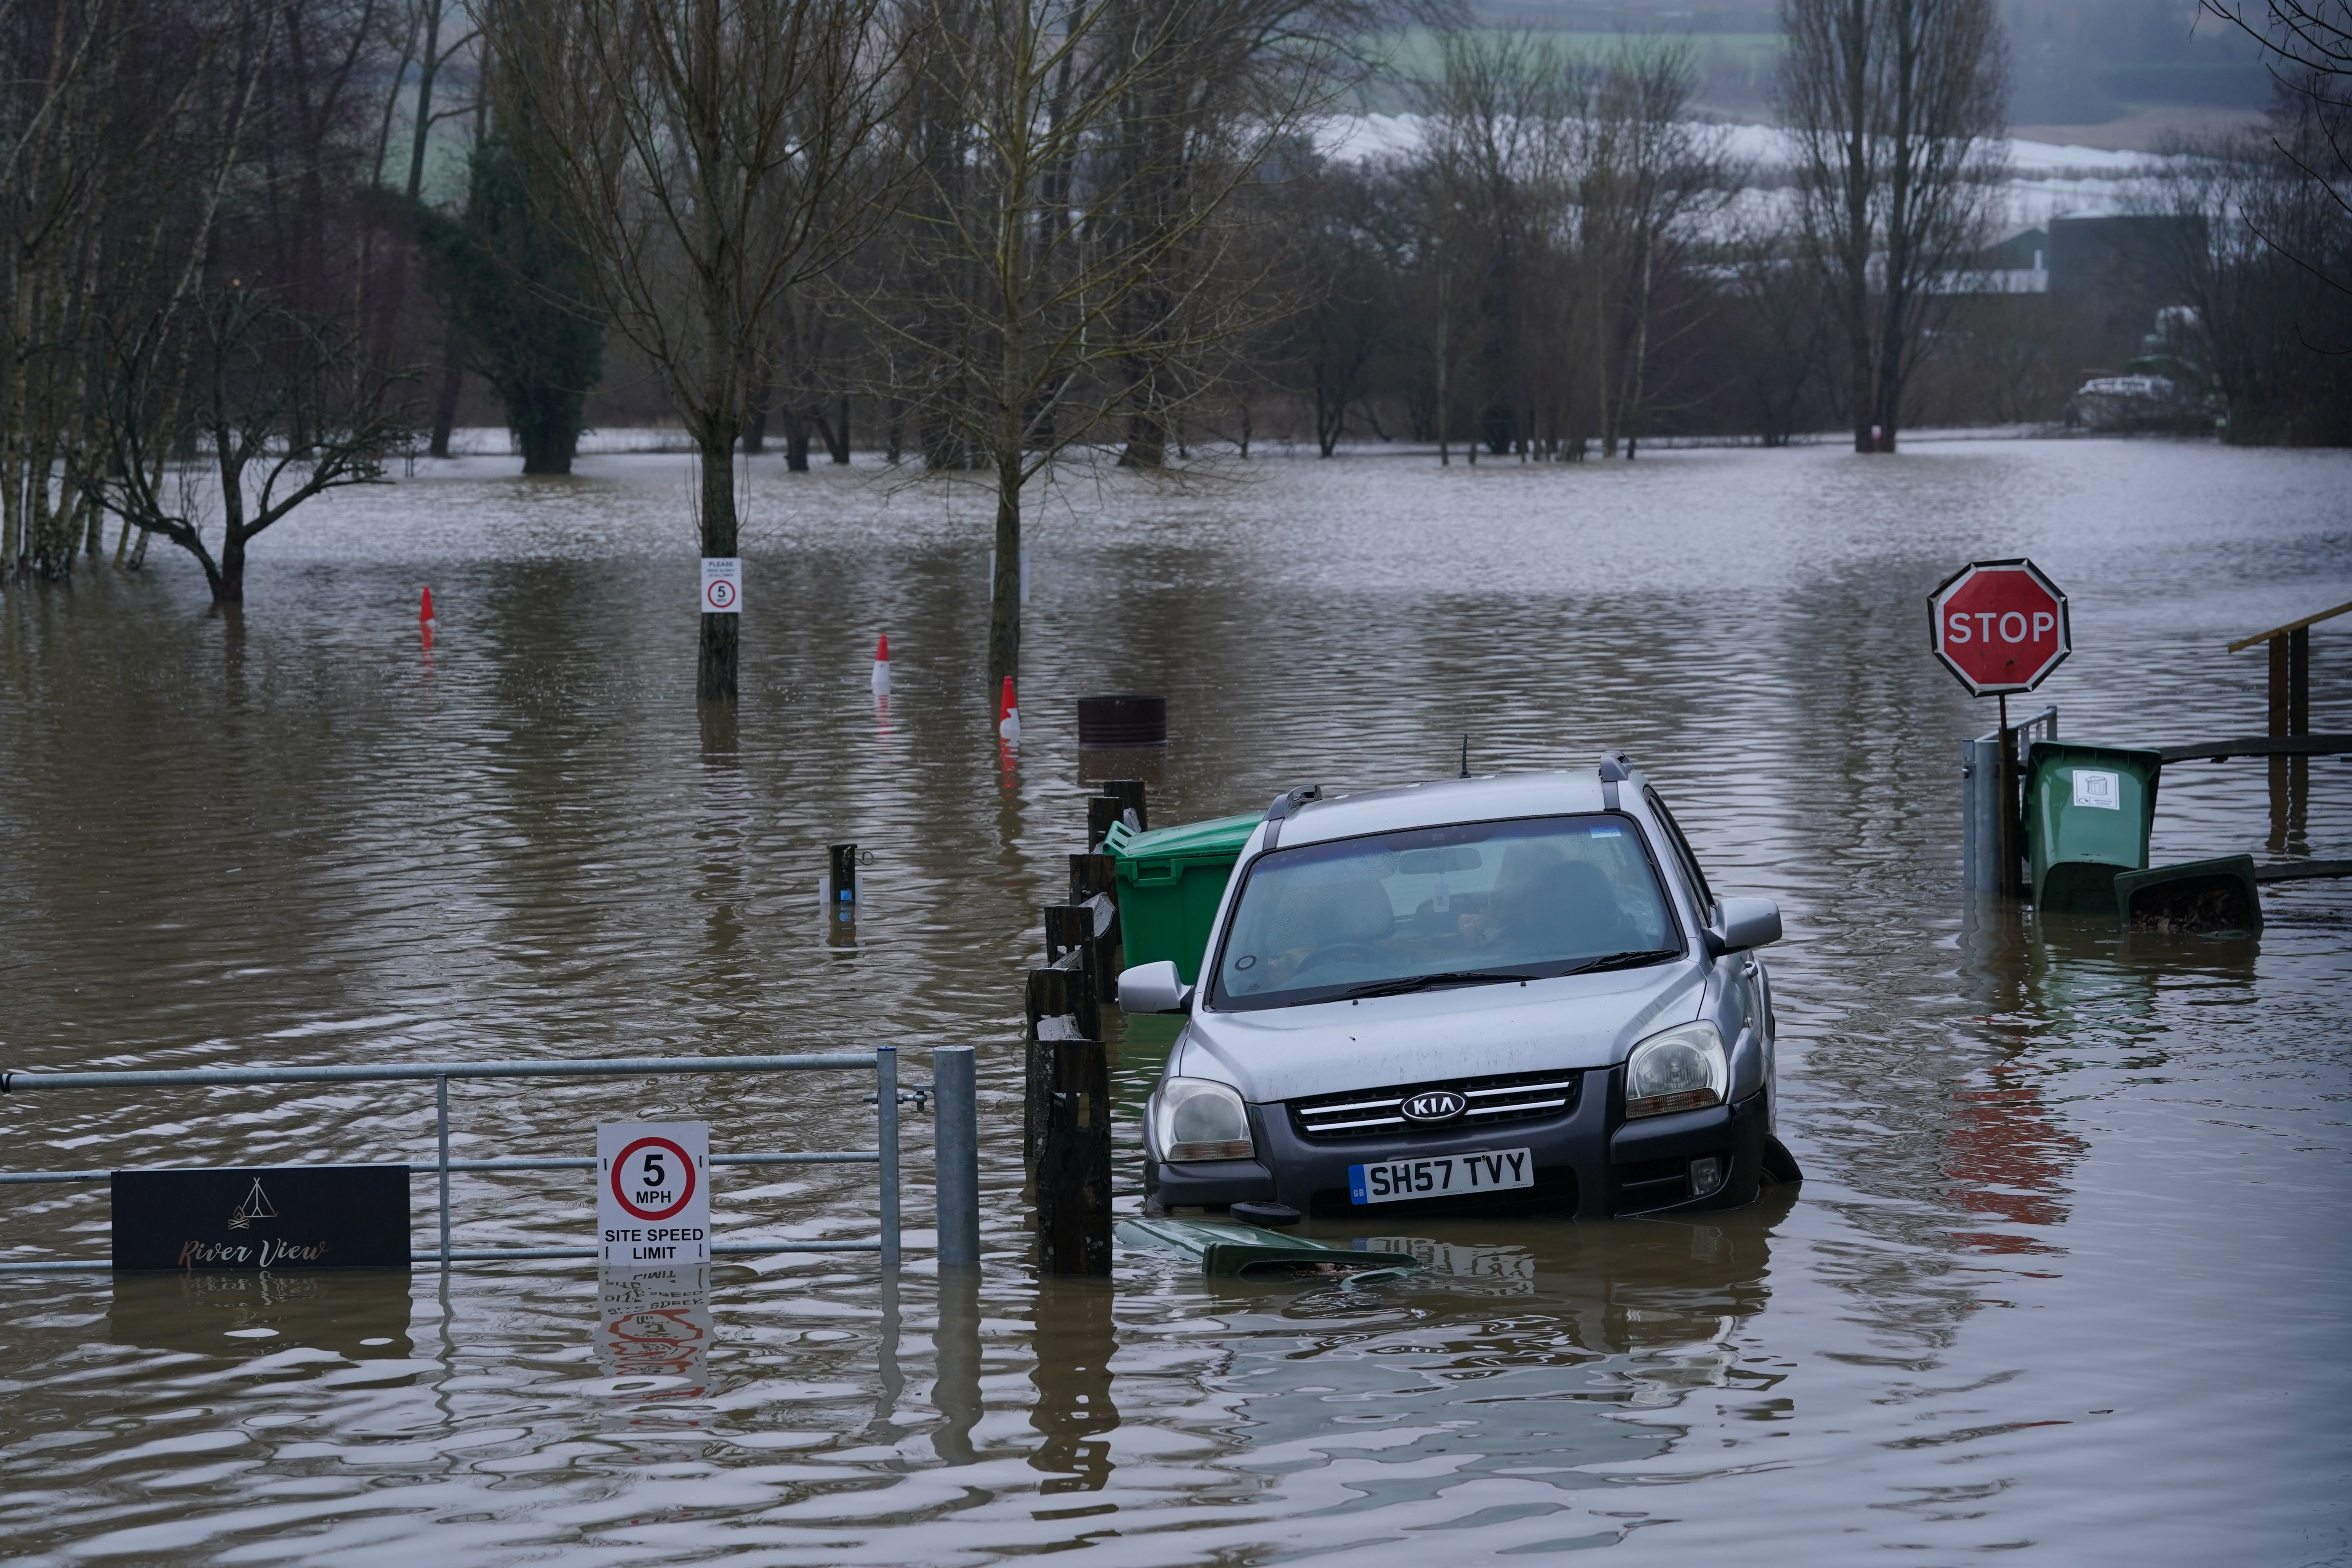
1219 840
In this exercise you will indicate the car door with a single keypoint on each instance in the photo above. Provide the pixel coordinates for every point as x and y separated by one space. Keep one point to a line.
1746 980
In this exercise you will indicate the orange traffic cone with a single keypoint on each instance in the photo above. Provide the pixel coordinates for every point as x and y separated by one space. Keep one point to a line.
882 667
1008 714
425 613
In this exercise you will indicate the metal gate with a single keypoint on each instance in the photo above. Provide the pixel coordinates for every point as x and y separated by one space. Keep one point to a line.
956 1111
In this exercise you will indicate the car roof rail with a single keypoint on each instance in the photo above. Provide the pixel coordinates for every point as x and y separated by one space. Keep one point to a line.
1286 803
1615 767
1291 800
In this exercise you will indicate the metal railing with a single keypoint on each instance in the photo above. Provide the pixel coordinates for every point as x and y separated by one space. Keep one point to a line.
956 1105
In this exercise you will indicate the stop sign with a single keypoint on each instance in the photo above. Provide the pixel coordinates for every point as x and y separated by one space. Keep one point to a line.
2000 626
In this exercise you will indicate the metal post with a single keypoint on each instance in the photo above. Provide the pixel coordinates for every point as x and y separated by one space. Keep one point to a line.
956 1116
441 1120
2008 826
1981 815
885 1101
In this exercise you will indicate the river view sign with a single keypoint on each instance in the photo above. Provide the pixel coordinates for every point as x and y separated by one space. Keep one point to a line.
653 1193
2000 626
275 1218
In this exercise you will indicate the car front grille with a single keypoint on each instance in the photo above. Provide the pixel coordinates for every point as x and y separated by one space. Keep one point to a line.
1377 1113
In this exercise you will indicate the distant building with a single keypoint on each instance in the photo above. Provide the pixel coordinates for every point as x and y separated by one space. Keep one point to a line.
2137 256
2018 265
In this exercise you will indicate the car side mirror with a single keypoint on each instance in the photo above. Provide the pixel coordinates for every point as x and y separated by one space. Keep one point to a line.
1153 988
1742 924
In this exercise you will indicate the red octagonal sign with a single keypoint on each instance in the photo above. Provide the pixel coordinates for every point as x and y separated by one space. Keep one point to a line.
2000 626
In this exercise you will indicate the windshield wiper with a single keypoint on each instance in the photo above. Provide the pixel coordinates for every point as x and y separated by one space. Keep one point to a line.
1403 983
1623 961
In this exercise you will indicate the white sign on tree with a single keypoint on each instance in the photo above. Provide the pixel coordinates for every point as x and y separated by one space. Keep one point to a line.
722 584
653 1193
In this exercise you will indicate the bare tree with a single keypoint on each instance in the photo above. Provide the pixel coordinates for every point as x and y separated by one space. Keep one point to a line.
284 412
122 123
1893 111
692 151
1071 267
2309 45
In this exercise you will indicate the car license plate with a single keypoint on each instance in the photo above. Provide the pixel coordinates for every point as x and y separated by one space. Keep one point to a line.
1487 1171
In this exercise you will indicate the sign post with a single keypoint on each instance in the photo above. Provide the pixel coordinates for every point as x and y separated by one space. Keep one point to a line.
2000 627
653 1193
722 584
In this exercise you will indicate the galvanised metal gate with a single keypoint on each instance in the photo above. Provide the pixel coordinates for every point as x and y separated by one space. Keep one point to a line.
955 1109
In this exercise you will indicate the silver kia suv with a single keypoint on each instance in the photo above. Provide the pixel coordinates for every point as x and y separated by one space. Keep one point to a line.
1506 996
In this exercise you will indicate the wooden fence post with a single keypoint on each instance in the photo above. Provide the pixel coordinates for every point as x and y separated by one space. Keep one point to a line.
1129 794
1070 944
1102 812
1074 1161
1094 882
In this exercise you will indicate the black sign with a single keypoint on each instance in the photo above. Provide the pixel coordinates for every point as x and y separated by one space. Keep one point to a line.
284 1217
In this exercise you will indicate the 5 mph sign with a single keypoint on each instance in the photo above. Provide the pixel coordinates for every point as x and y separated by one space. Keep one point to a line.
653 1193
722 584
2000 626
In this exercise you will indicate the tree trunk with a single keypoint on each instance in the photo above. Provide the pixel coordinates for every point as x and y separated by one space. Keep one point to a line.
445 401
796 440
1147 440
1005 588
755 419
228 583
545 452
835 432
715 672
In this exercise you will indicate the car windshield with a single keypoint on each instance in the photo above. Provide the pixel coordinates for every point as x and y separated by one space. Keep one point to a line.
1465 904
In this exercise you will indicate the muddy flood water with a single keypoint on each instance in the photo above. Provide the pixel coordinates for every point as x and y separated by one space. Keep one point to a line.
2068 1279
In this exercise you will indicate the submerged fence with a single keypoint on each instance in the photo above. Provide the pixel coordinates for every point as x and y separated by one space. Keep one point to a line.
953 1095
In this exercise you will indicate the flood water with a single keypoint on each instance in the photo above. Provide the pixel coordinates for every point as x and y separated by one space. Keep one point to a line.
2068 1277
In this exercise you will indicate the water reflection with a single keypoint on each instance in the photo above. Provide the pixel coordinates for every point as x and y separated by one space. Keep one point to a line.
654 1332
359 1314
956 1361
1074 1413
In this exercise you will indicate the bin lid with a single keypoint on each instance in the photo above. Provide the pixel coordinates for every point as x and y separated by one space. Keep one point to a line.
2143 760
1219 840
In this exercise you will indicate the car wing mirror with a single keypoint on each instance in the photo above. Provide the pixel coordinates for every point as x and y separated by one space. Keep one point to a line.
1153 988
1742 924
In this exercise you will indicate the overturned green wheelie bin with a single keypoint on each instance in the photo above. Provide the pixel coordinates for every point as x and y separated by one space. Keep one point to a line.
1225 1250
2088 814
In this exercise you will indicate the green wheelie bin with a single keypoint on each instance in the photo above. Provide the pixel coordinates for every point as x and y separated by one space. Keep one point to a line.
2088 812
1170 880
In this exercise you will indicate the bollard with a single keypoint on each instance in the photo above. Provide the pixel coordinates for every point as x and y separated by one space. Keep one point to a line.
1122 722
956 1116
1102 812
1129 794
845 873
1072 1177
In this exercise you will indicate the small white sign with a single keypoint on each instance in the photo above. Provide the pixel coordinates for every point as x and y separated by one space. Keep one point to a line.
722 584
2102 790
653 1193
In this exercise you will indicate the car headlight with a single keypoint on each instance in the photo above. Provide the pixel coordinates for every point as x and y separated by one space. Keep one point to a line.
1684 1069
1199 1119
